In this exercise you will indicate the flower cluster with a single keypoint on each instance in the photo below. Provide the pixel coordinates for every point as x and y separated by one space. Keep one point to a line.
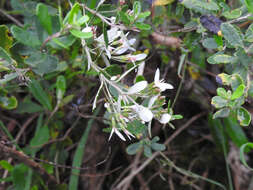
135 103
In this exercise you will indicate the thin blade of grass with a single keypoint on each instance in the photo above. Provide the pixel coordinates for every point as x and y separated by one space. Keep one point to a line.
78 157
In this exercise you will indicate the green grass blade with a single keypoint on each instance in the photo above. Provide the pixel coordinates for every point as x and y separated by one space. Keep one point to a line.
77 161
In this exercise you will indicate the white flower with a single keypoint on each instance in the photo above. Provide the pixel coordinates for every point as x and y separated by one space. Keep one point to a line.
144 113
159 83
137 87
165 118
126 45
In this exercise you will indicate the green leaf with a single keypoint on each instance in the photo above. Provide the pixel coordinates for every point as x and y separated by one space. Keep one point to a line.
144 14
219 102
40 95
113 70
249 5
123 17
40 137
232 14
222 58
245 148
210 43
201 6
8 102
238 92
73 13
235 131
243 116
18 174
222 93
231 34
137 8
6 165
218 133
28 106
147 151
62 42
133 148
5 39
222 113
225 78
8 77
28 38
158 146
142 26
5 55
236 80
219 41
83 20
106 40
42 63
60 87
136 127
249 34
44 17
78 156
80 34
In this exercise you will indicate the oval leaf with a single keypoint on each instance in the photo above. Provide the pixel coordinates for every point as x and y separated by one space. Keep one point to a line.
243 116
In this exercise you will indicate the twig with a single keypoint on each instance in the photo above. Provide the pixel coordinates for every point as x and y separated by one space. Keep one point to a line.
176 133
9 152
240 18
166 40
22 130
95 13
11 18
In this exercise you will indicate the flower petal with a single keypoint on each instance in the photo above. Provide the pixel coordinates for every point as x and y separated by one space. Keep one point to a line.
137 87
164 86
165 118
120 135
145 114
152 101
157 76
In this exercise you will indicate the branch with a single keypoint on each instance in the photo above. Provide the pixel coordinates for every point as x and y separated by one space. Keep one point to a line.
176 133
11 18
166 40
9 152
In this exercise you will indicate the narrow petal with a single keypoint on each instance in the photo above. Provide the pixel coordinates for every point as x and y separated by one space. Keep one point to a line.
137 87
152 101
120 135
140 57
112 131
164 86
157 76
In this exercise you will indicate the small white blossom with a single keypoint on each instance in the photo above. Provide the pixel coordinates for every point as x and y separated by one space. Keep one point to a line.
165 118
126 45
159 83
144 113
137 87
